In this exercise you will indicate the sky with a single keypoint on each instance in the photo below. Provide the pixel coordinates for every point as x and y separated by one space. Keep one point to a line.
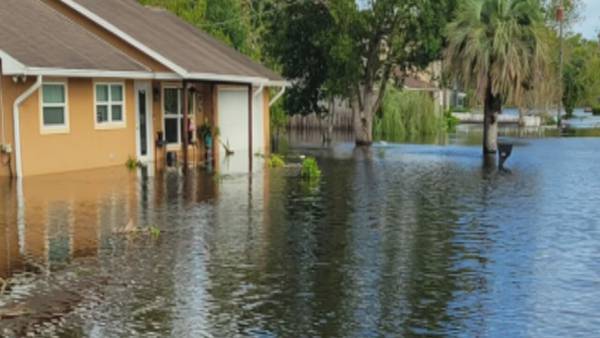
589 24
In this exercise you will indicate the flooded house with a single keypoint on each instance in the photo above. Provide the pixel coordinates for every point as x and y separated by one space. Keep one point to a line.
89 84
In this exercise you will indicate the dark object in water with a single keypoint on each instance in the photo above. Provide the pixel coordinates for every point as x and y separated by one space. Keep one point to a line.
171 159
504 152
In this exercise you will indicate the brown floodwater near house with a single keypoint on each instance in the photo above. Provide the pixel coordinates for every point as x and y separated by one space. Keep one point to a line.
396 240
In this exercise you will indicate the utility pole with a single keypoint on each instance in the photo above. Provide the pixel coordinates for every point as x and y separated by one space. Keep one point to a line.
560 16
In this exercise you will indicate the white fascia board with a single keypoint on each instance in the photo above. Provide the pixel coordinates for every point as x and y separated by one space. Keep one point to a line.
10 65
284 83
63 72
226 78
126 37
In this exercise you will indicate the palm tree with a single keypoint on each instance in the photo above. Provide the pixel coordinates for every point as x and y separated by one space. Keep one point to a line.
498 47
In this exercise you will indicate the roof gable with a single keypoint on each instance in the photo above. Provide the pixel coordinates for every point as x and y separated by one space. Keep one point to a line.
38 36
188 50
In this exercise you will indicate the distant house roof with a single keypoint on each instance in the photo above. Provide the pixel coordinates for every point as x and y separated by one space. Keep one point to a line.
177 44
36 36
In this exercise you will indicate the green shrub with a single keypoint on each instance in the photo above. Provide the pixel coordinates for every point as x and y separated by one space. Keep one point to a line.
310 169
276 161
132 163
451 120
596 110
407 115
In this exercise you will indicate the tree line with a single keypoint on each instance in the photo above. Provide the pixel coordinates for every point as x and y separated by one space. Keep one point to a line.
503 50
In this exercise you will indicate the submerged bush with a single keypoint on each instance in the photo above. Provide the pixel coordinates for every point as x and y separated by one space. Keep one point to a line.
407 115
132 163
451 120
310 169
276 161
596 110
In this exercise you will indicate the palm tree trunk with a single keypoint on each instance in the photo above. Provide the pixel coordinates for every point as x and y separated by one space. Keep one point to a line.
492 108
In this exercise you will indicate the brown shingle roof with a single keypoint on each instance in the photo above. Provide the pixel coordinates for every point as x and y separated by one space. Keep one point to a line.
179 42
38 36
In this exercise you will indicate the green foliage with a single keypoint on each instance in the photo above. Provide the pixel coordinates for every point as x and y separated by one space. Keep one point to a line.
154 231
581 83
596 110
548 119
451 120
406 115
276 161
238 24
132 163
350 49
310 169
299 43
499 47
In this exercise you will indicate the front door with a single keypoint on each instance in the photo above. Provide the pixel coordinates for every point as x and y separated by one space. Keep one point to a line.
143 96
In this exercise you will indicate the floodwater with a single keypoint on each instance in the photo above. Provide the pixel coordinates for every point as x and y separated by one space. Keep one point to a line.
397 240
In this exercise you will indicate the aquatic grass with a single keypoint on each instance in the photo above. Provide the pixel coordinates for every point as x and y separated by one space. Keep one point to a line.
133 164
154 231
276 161
407 115
310 169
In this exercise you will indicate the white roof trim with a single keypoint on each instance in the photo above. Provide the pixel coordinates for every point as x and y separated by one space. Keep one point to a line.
128 38
182 72
284 83
96 73
10 65
226 78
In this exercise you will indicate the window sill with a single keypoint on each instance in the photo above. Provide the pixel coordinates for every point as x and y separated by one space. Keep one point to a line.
110 126
55 130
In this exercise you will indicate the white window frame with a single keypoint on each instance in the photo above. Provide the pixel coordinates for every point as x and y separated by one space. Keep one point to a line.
54 129
110 124
179 117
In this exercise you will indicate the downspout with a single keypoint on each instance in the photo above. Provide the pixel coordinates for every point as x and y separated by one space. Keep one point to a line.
277 97
17 123
250 126
259 90
3 140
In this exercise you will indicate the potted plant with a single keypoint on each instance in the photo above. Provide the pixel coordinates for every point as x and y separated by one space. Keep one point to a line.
205 133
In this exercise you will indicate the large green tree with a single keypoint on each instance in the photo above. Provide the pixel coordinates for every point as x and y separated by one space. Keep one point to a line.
498 47
351 49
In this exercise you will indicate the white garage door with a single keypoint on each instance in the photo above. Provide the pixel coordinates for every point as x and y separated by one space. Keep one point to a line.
233 117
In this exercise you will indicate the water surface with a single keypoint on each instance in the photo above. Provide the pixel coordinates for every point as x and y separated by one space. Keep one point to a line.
396 240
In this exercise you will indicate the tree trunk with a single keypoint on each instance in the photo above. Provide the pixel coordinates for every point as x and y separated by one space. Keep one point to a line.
363 118
492 108
363 128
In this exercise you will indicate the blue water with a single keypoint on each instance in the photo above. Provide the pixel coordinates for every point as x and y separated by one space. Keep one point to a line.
397 240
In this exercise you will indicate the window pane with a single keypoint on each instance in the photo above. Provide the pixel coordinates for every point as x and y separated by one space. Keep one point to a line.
101 113
171 126
117 113
171 104
54 94
101 93
116 93
54 116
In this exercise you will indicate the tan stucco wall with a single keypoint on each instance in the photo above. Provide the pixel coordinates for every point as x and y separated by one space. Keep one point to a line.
267 122
108 36
10 92
83 147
